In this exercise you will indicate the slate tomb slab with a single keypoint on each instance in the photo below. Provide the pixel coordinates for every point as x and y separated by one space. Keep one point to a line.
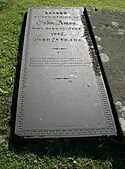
60 94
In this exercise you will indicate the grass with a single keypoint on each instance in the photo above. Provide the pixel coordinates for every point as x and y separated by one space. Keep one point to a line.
54 153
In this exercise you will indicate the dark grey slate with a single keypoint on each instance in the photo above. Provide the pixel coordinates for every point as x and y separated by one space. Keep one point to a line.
61 88
109 30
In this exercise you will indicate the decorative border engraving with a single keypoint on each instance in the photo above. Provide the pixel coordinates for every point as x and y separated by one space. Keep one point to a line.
109 130
24 77
106 107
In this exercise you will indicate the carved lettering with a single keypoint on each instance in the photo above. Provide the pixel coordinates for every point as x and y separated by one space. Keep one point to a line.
57 39
57 62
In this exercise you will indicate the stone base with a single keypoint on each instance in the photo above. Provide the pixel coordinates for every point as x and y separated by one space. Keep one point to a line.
108 29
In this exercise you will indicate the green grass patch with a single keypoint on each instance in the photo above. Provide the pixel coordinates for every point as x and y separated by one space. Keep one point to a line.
53 154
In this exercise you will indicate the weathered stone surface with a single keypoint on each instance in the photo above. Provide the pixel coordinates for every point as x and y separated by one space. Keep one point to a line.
61 90
109 31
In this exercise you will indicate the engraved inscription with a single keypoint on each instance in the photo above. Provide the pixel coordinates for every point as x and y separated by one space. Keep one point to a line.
57 28
57 62
57 25
56 39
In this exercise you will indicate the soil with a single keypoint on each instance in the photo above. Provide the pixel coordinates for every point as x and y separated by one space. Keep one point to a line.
92 50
